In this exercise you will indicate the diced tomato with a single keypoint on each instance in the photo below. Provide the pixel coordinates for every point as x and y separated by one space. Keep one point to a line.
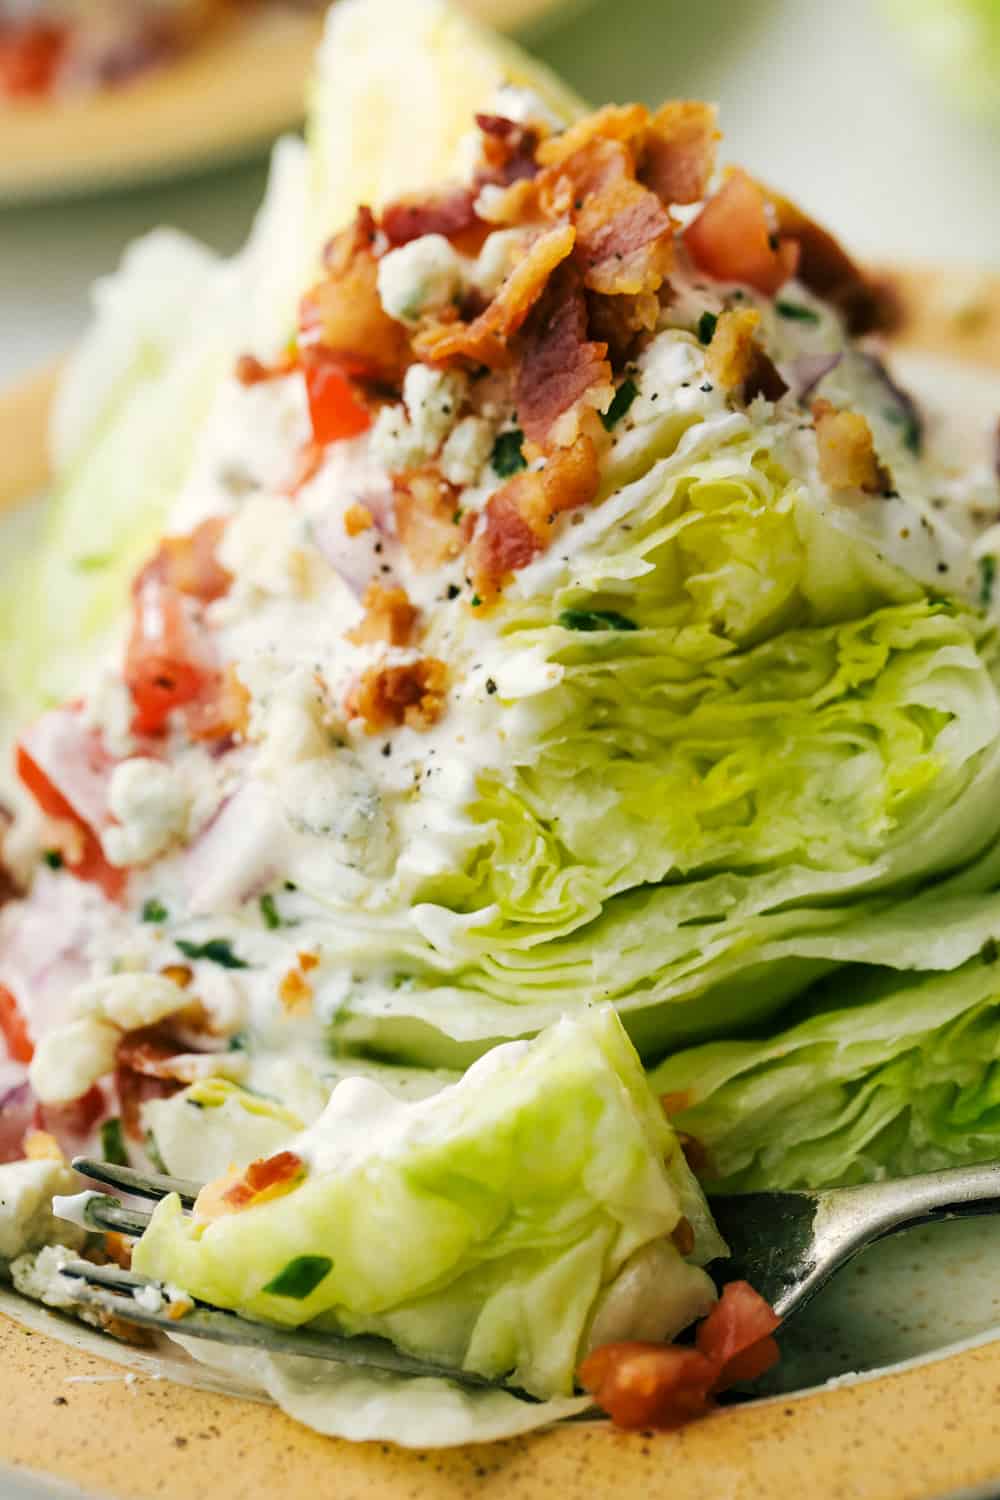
166 665
30 55
269 1175
64 766
221 710
14 1029
732 238
736 1335
334 408
649 1385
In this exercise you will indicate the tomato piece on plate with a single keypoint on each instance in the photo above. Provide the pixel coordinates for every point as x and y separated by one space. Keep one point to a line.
732 238
14 1028
736 1335
335 410
649 1385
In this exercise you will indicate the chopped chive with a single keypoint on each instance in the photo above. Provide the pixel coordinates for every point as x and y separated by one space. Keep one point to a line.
706 326
623 398
92 564
595 619
239 1042
507 456
300 1277
797 312
990 951
53 859
216 950
270 913
154 910
113 1143
987 577
475 601
153 1152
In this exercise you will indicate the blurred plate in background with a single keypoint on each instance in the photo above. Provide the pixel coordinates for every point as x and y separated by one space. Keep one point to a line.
223 101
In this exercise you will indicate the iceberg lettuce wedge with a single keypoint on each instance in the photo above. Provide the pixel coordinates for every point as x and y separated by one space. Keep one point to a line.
485 1227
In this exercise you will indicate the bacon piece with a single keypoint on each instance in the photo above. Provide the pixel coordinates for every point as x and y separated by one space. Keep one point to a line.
251 371
485 340
847 457
615 122
222 709
358 518
343 313
649 1385
446 213
427 518
190 563
736 361
389 616
150 1051
412 694
295 992
518 518
737 1335
624 235
267 1178
732 240
559 365
826 269
31 55
678 154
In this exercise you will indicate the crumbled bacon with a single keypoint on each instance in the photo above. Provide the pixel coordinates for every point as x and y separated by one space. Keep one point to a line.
518 518
678 156
826 269
847 457
389 616
189 564
269 1177
445 213
736 361
358 518
485 340
412 694
665 1385
615 122
252 371
295 992
624 235
222 709
559 366
682 1237
343 313
733 240
427 518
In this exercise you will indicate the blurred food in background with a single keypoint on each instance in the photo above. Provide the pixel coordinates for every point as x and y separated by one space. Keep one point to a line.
49 48
957 41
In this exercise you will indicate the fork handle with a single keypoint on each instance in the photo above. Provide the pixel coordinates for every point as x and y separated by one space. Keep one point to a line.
877 1209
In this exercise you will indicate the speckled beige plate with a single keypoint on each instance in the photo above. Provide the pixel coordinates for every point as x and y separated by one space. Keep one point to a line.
917 1318
221 102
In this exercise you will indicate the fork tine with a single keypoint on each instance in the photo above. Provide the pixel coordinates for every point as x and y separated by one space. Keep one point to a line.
103 1213
141 1184
114 1290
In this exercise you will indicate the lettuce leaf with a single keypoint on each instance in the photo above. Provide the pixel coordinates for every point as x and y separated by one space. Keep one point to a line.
483 1227
881 1077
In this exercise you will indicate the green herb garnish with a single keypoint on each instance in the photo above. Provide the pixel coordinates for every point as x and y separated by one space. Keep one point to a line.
53 859
216 950
595 619
706 326
153 1152
113 1143
154 911
475 601
270 913
797 312
92 564
623 398
987 577
990 951
300 1277
507 456
239 1042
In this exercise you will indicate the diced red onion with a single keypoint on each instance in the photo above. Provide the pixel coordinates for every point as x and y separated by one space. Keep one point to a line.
239 853
808 370
17 1112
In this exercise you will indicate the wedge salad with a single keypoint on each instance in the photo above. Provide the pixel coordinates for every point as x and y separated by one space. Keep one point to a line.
504 735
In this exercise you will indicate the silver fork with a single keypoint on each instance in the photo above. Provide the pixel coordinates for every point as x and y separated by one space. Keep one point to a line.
787 1245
